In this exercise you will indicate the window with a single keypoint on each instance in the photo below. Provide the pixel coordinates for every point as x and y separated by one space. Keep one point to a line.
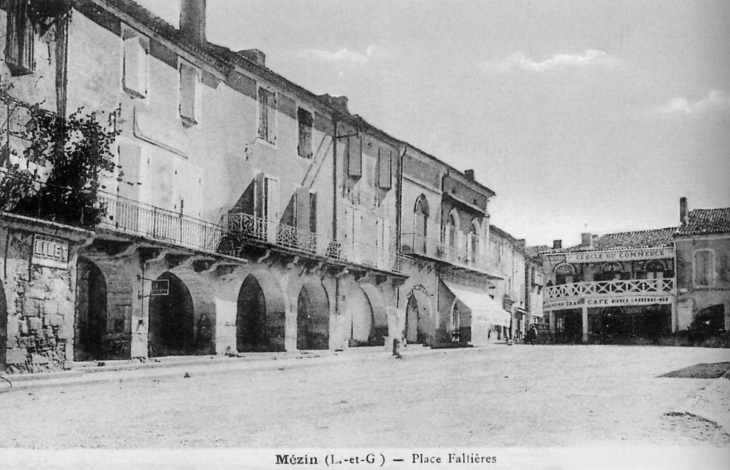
564 274
305 133
420 227
703 268
354 157
451 231
267 115
20 39
189 93
654 269
136 68
473 242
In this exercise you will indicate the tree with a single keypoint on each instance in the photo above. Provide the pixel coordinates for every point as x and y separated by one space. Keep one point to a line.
77 151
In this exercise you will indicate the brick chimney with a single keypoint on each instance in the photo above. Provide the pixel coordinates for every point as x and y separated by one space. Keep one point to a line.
192 20
683 212
254 55
469 174
557 244
587 240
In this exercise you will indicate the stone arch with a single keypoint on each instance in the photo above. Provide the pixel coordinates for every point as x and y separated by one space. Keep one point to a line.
368 316
3 328
260 314
419 319
93 335
171 320
313 316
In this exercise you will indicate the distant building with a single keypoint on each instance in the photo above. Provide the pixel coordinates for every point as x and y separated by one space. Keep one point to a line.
703 267
613 287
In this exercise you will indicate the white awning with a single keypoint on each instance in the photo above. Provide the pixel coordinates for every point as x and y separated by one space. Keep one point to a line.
483 307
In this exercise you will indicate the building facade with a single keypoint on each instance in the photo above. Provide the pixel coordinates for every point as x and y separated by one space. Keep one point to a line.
613 287
243 214
703 268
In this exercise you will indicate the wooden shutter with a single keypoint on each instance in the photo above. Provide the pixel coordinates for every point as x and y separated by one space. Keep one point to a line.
135 65
20 39
305 133
384 167
302 209
189 79
267 115
354 157
313 212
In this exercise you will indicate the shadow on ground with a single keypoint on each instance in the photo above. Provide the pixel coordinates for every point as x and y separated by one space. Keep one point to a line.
700 371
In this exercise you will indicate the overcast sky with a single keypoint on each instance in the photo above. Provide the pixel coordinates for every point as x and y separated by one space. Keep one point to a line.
583 116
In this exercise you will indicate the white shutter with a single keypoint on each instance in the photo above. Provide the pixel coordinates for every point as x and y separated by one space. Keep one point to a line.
135 65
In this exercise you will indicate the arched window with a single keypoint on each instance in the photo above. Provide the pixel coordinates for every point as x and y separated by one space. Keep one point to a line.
564 274
611 271
451 231
654 269
420 229
473 241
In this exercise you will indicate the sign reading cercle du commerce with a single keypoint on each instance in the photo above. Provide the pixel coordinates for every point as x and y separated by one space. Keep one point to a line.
619 255
618 301
50 252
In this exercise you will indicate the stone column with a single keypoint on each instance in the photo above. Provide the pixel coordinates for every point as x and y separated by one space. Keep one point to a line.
585 323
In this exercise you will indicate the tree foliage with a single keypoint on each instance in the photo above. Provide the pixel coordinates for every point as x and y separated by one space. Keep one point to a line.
76 153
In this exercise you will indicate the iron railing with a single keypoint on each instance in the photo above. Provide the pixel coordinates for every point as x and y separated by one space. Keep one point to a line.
412 243
608 288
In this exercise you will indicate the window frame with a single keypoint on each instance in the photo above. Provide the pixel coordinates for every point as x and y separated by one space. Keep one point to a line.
710 268
196 94
301 125
129 36
270 114
24 41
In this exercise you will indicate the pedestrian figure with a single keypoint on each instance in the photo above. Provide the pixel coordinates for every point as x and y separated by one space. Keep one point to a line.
531 335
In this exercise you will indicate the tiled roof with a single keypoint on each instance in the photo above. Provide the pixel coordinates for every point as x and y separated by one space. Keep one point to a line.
623 240
706 221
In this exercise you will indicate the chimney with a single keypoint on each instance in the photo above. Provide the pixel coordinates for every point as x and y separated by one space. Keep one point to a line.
557 244
521 244
254 55
338 102
683 210
469 174
587 240
192 20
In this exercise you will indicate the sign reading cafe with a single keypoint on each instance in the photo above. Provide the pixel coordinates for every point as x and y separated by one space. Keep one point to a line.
560 304
619 255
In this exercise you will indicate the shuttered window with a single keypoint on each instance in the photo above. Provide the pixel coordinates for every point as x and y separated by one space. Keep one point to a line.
703 264
267 115
189 93
20 39
136 64
305 133
385 156
354 157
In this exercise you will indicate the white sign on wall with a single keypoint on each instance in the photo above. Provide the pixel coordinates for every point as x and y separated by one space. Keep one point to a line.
607 302
50 252
619 255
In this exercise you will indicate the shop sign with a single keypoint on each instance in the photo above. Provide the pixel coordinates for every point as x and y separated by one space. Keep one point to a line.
607 302
160 287
619 255
50 252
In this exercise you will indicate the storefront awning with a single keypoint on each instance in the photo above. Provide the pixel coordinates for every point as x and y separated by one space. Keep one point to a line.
481 304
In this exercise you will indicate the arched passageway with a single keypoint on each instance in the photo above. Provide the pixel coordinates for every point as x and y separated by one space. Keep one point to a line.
369 321
418 319
93 336
172 320
3 328
260 319
312 318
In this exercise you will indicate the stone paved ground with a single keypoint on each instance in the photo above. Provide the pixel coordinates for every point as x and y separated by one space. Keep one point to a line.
500 396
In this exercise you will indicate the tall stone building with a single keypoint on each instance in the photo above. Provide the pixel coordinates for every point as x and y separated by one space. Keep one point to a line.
244 213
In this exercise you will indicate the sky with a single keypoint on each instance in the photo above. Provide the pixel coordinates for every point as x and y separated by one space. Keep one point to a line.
582 115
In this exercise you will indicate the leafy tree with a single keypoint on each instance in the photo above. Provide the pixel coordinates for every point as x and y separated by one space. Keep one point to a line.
78 152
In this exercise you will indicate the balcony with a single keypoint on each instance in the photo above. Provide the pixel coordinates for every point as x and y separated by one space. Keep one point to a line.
609 293
247 227
415 244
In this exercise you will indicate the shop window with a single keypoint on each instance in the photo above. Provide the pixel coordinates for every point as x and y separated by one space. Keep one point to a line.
267 115
136 63
189 93
19 39
305 133
703 268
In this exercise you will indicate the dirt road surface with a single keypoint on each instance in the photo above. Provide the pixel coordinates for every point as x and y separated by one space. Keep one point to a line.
498 396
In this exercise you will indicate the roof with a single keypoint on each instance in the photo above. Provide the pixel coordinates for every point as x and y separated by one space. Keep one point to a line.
625 240
706 222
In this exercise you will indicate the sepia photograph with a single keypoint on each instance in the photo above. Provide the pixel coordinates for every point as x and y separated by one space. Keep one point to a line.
398 234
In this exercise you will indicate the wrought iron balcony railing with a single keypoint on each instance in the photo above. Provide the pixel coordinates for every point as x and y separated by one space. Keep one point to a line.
412 243
125 215
609 288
